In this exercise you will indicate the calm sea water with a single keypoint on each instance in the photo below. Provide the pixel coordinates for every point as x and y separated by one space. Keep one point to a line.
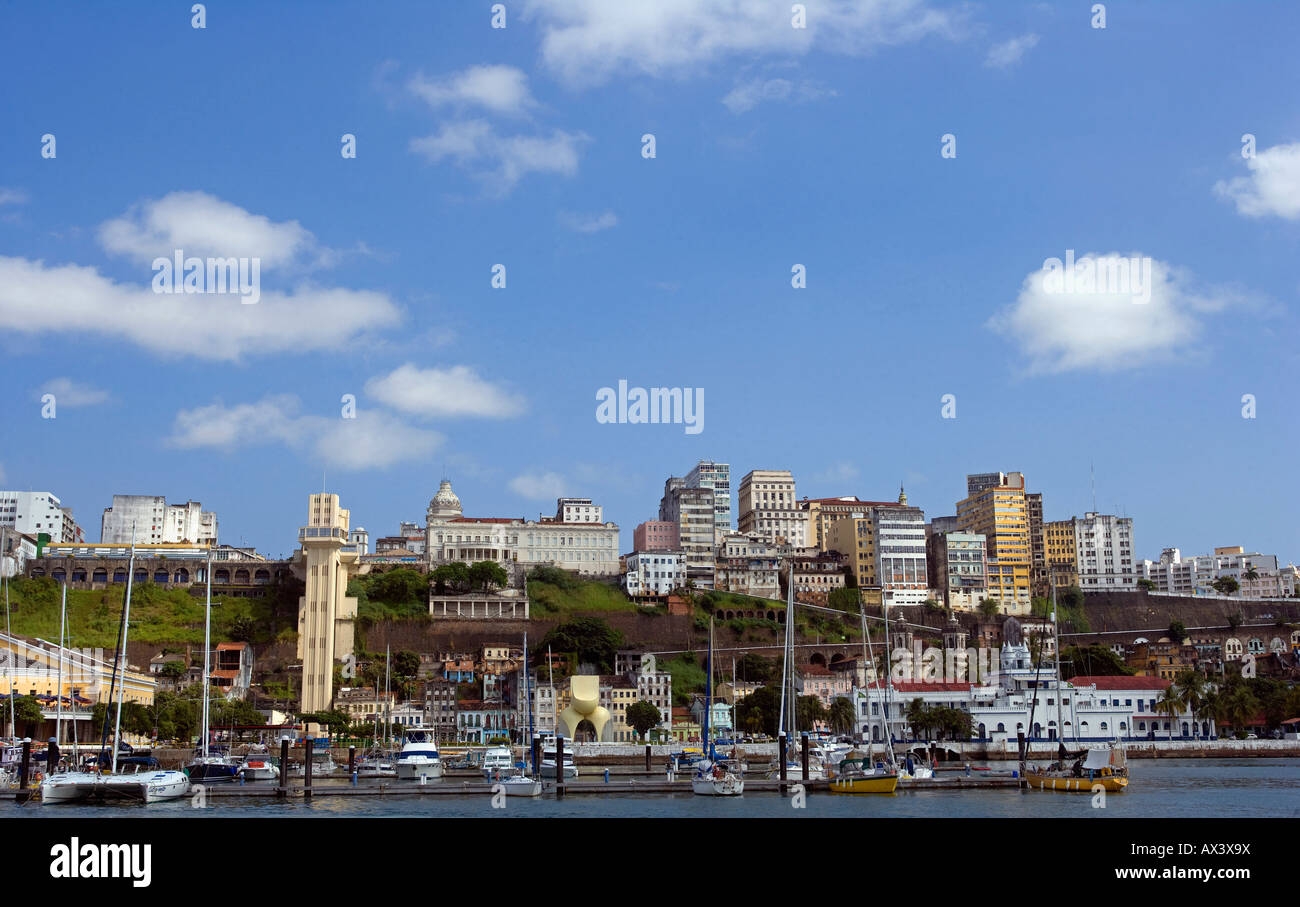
1164 788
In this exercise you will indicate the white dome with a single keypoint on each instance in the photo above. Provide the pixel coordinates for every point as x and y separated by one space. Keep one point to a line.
445 502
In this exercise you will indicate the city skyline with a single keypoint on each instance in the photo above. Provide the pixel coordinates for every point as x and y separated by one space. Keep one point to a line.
782 155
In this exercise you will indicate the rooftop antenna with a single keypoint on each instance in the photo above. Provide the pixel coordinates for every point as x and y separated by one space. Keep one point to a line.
1092 474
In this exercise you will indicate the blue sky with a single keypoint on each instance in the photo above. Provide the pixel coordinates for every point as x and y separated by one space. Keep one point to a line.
775 146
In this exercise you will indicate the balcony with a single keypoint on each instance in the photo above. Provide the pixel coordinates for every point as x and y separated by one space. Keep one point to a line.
321 532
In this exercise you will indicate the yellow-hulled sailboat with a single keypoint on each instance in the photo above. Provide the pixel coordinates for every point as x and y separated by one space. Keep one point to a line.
1105 767
859 776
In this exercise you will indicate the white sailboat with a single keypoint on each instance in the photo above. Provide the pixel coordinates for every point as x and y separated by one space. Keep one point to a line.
793 765
520 783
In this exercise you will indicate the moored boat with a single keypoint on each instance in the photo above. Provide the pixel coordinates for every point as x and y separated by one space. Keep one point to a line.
860 776
419 758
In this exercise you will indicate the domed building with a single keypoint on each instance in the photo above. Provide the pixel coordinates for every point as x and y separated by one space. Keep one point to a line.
574 539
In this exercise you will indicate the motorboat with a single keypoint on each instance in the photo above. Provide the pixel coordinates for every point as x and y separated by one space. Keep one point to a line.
497 760
419 758
258 767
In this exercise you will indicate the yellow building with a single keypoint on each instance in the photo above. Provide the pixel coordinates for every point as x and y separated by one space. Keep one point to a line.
995 507
854 538
1062 561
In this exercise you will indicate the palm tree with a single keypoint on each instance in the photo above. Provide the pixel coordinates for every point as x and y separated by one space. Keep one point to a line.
1170 705
1191 687
1251 573
1239 707
842 715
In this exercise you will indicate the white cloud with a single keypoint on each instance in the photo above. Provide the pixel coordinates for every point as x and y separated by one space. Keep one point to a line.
539 486
451 392
1063 331
36 298
1009 53
12 196
205 226
1273 186
68 393
374 439
501 89
749 94
841 471
588 223
501 160
587 41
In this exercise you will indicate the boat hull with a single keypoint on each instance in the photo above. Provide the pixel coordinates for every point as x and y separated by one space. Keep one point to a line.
1109 784
730 786
212 772
522 788
414 769
885 784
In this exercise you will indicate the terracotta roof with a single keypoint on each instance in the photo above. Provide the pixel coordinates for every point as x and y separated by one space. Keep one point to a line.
917 687
231 646
1120 682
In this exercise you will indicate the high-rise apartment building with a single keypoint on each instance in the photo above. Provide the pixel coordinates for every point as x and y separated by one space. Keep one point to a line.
768 508
1104 549
34 512
995 508
1038 578
716 476
694 512
956 561
884 544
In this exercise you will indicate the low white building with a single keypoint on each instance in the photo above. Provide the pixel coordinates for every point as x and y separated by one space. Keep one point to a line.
654 573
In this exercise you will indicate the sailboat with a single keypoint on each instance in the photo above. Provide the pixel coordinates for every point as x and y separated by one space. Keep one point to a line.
145 784
714 777
1105 767
206 766
522 782
862 774
789 703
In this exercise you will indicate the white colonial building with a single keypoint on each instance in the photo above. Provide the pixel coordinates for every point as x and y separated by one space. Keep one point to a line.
587 548
654 573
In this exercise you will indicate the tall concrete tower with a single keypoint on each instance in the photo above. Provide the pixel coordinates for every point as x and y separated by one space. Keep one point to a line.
325 613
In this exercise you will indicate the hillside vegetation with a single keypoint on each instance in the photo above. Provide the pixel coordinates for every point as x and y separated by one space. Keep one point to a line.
158 614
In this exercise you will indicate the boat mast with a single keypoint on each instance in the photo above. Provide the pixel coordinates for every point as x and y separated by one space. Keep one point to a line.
1056 646
9 662
889 671
58 719
785 655
388 718
126 623
207 643
708 691
528 692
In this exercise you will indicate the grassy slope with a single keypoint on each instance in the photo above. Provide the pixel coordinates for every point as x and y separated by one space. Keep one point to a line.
158 615
546 599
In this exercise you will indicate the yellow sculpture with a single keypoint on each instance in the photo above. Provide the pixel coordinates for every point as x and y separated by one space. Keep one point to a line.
584 705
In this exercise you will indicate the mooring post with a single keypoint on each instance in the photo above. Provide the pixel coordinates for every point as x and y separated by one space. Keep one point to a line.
536 763
804 745
559 766
781 758
24 771
352 761
308 745
283 790
1020 742
647 758
52 757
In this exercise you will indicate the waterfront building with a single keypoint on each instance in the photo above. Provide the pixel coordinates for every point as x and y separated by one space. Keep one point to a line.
767 507
154 521
482 722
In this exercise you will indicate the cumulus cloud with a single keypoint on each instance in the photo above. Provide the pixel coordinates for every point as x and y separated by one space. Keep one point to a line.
373 440
501 89
206 226
499 160
12 196
749 94
1062 330
70 394
1273 186
36 298
1009 53
586 41
444 392
588 223
539 486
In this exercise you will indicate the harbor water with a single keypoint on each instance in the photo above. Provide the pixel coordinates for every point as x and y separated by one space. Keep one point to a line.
1159 788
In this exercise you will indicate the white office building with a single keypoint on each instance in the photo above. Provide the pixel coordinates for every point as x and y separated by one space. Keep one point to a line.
1103 547
716 476
654 573
34 512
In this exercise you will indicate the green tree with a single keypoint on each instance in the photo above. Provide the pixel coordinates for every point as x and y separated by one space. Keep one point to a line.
589 639
1226 585
643 716
402 586
760 711
845 600
1191 686
808 710
1171 705
232 712
174 669
1238 708
755 668
1091 660
487 575
920 717
1177 631
242 628
406 664
1147 584
28 714
843 717
988 608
